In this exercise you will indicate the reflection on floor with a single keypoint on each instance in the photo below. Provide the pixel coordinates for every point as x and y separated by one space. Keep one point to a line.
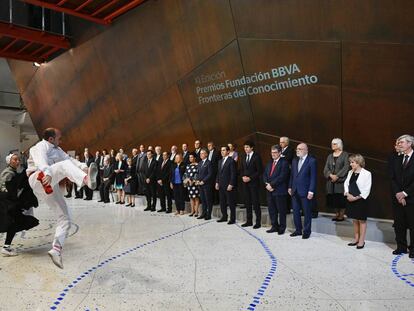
120 258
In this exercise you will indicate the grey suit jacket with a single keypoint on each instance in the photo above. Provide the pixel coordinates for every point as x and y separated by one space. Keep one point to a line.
340 169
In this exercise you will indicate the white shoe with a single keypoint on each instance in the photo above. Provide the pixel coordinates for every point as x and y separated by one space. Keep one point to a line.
56 258
92 174
8 252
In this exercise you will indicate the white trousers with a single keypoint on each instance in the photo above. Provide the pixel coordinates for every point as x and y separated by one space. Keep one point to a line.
55 200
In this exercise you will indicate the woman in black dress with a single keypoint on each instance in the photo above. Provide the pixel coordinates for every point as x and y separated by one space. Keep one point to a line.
190 177
357 189
130 187
119 169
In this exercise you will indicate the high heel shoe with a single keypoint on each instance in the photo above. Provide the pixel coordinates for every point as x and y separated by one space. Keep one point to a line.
119 202
353 243
190 215
132 205
360 247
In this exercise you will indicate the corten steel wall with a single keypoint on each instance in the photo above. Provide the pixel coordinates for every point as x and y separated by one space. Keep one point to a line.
135 81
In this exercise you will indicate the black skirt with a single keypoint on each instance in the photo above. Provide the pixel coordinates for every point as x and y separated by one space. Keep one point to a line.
357 210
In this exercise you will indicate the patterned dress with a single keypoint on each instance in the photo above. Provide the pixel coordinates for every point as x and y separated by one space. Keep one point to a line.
191 172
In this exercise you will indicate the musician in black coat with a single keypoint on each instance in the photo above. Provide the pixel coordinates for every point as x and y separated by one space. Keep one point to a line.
250 171
205 182
276 179
88 160
16 195
163 176
107 179
402 184
150 169
226 182
176 183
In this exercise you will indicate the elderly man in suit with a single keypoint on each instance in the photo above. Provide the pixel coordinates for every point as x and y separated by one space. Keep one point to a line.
251 169
163 183
287 151
402 184
150 167
205 182
302 187
276 179
226 182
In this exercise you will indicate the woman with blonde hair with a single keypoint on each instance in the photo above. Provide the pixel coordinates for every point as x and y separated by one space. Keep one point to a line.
120 168
357 189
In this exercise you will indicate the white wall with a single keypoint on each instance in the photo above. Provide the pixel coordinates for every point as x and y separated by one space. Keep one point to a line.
9 140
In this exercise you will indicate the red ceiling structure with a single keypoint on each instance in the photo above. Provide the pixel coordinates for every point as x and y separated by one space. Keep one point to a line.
34 45
98 11
22 43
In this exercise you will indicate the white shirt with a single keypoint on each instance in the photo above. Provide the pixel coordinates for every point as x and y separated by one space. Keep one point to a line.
44 154
210 154
409 156
249 156
224 160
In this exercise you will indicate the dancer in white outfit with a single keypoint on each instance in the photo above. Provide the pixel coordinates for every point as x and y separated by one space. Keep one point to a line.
48 158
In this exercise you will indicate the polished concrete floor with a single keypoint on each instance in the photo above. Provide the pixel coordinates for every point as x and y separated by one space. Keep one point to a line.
120 258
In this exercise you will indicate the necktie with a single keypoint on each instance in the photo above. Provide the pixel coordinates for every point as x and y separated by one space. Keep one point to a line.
300 164
248 159
224 160
273 167
163 163
405 163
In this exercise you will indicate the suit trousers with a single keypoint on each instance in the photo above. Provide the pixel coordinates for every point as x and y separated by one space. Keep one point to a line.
178 190
277 205
403 220
164 193
206 196
251 200
299 203
151 194
227 198
104 190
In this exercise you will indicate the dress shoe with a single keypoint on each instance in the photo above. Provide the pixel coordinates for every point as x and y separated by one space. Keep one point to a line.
360 247
195 215
247 224
281 232
207 218
169 211
222 220
129 204
87 199
153 209
295 234
353 243
257 226
100 200
201 216
231 222
334 219
411 254
399 251
147 209
132 205
271 230
340 219
306 236
68 196
107 202
161 210
119 202
77 197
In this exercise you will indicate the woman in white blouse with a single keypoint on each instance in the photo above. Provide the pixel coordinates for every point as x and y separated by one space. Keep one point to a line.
357 189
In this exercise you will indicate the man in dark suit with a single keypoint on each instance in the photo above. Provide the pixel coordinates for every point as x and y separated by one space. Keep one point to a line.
158 154
88 160
97 161
197 150
226 182
251 169
214 157
108 176
402 184
163 183
150 167
205 181
276 179
287 151
302 187
142 158
186 154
